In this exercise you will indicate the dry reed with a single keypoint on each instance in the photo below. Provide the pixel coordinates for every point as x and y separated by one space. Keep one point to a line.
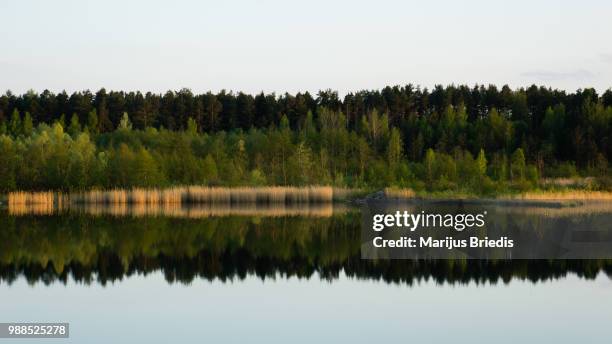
170 199
576 195
396 193
271 194
36 203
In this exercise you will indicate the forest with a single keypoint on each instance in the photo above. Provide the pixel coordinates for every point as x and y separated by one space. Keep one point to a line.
476 140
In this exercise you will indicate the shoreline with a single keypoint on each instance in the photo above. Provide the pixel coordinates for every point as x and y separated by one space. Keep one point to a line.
293 195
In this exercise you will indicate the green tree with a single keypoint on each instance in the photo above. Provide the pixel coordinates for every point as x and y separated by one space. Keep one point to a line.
28 126
192 126
146 170
15 126
92 122
74 128
300 165
125 123
430 163
210 169
8 160
121 167
481 160
394 148
517 165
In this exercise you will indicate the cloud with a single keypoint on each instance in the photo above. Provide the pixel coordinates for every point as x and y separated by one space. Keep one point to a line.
545 75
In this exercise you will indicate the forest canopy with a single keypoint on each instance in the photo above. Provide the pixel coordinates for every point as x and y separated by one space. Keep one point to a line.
477 139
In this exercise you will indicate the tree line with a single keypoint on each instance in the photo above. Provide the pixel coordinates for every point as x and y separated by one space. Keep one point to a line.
477 139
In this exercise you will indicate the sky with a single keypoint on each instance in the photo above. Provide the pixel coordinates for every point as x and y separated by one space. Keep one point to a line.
290 46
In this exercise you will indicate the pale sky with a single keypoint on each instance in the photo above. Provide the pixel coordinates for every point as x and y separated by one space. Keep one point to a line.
278 46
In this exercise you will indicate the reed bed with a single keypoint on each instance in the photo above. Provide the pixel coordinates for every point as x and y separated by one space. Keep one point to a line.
20 197
168 200
587 208
397 193
36 203
271 194
202 194
570 195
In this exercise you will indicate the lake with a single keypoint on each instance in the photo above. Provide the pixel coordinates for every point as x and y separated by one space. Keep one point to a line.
284 274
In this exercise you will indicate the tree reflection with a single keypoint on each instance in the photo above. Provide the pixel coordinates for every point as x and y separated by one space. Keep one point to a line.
103 249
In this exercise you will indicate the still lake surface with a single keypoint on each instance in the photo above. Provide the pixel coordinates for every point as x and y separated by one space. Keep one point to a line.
258 274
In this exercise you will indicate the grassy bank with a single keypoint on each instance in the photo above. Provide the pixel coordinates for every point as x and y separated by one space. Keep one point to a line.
535 195
274 195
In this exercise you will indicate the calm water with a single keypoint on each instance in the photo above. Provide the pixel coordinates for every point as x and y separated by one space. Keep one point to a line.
202 275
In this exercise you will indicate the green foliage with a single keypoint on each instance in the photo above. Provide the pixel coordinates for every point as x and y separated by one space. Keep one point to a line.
28 126
426 153
482 162
430 162
15 127
8 163
209 166
125 123
146 171
551 126
394 148
517 165
192 126
257 178
75 127
92 121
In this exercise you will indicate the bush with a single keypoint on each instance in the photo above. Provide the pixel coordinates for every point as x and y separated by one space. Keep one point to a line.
563 170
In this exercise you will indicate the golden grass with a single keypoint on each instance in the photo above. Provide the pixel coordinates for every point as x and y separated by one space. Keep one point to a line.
38 203
563 195
587 208
269 194
203 194
397 193
153 201
21 197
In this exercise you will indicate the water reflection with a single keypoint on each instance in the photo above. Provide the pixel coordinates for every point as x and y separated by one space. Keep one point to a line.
179 210
95 245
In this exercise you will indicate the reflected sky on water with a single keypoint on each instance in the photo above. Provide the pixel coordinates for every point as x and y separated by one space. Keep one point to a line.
295 310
